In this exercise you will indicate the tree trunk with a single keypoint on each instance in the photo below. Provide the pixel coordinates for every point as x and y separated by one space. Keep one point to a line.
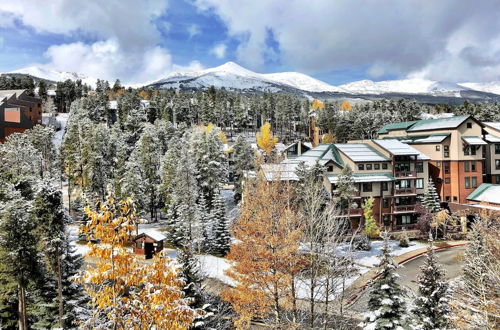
23 322
59 293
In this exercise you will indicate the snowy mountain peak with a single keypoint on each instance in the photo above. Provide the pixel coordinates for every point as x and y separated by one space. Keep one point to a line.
54 75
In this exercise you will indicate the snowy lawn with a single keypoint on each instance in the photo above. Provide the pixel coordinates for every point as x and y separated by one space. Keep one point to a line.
370 258
58 136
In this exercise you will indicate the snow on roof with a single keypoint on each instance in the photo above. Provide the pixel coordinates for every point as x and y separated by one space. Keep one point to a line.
8 93
280 172
362 178
422 139
440 123
113 104
494 125
492 138
51 92
486 192
156 235
399 148
360 152
474 140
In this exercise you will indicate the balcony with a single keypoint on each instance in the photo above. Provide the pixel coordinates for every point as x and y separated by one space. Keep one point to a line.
409 226
404 191
356 212
406 174
404 208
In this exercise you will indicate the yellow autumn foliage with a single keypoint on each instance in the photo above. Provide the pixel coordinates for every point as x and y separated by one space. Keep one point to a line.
345 106
128 293
328 138
317 105
265 139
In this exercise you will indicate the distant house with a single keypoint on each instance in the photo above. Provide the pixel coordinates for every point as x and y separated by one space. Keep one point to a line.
18 112
148 243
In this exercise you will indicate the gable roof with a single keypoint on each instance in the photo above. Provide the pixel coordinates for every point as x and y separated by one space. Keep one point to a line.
486 192
154 234
427 124
361 152
421 139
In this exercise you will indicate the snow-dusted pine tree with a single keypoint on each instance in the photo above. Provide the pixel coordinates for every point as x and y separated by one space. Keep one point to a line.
386 303
345 188
221 235
431 305
243 162
431 198
190 274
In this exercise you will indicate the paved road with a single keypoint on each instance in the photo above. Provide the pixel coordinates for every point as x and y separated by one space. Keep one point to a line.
449 260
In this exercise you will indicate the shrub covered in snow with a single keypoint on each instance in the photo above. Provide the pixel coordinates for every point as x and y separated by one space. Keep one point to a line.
362 243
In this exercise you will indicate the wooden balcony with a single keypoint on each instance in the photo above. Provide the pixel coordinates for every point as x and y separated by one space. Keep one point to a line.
406 174
410 226
404 208
356 212
404 191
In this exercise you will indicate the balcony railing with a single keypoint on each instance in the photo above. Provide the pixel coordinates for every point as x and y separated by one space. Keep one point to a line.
356 211
404 191
410 226
406 174
404 208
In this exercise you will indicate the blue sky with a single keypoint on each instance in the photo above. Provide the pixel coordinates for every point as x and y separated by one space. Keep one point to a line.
334 41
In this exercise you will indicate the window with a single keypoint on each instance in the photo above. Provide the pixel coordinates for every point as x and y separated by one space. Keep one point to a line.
467 151
438 147
385 186
376 166
466 166
497 179
455 198
419 184
446 151
447 180
467 183
384 166
385 203
474 182
420 167
368 167
446 167
469 125
387 220
367 187
473 166
138 245
438 164
470 150
361 167
497 164
405 219
497 149
448 198
330 168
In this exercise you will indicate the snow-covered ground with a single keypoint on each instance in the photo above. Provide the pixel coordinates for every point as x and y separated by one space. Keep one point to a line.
58 136
370 258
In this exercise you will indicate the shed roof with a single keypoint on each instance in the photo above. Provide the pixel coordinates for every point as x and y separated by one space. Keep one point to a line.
398 148
486 192
426 124
423 139
492 138
361 152
494 125
364 177
474 140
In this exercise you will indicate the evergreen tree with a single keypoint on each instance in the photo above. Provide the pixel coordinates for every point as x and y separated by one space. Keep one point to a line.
431 306
221 235
386 301
476 258
345 188
18 247
431 199
42 89
190 274
243 156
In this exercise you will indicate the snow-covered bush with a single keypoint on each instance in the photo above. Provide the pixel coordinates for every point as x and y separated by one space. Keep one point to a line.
404 241
362 243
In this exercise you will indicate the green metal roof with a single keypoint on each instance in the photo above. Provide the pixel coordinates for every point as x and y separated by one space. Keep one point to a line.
396 126
474 196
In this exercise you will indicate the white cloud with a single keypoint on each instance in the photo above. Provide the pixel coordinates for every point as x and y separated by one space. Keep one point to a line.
219 51
1 41
128 38
393 37
193 30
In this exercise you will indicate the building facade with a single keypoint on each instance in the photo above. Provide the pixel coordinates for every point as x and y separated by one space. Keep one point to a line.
456 149
18 112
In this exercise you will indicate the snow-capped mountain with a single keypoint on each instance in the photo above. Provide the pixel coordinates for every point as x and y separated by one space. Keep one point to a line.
53 75
234 77
404 86
490 87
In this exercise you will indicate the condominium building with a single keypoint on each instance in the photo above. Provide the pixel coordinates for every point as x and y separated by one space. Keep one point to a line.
492 152
456 149
391 172
18 112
